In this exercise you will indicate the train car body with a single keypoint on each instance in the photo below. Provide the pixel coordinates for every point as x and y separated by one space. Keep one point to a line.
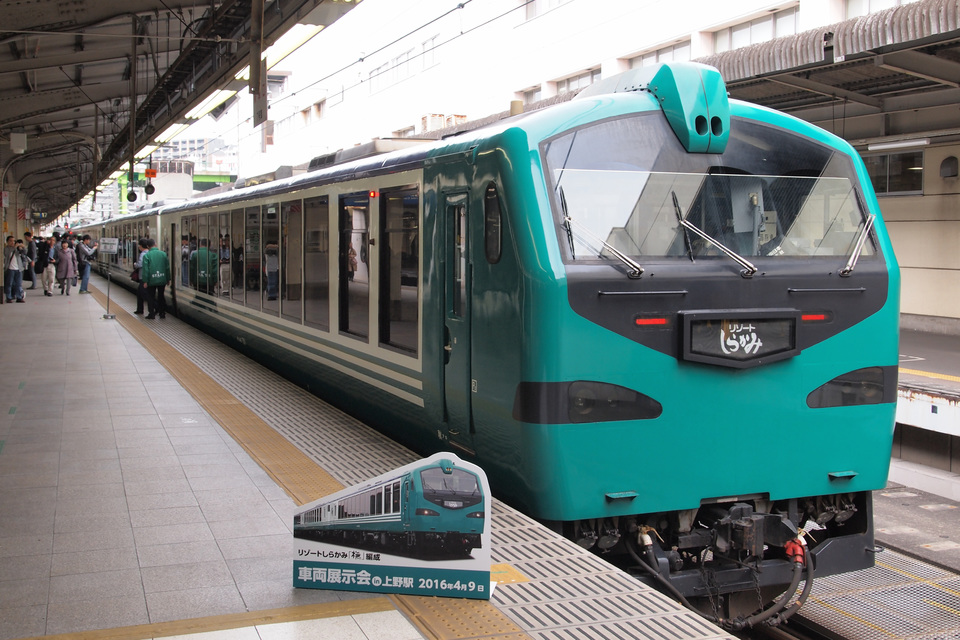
434 509
645 309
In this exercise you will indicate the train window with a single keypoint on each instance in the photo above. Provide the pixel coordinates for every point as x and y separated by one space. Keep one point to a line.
223 254
396 497
188 244
236 256
316 263
491 224
270 252
354 263
291 255
400 268
387 498
251 258
458 226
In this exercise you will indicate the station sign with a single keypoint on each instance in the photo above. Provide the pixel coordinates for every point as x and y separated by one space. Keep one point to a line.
108 245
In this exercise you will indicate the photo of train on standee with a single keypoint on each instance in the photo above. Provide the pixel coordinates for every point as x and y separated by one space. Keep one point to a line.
665 323
429 512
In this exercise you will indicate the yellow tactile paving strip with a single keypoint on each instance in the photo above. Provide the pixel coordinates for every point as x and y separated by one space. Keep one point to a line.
297 474
927 374
231 621
304 481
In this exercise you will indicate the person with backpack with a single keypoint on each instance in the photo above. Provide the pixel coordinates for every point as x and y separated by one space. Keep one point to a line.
85 254
154 276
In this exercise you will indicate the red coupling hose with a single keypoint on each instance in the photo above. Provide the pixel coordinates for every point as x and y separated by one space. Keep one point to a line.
795 550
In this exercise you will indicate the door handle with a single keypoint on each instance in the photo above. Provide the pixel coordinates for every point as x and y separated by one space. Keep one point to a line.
448 348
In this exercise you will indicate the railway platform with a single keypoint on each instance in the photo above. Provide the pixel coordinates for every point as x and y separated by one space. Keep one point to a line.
148 480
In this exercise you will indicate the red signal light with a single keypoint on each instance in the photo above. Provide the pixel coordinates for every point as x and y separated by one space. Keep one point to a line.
374 194
651 322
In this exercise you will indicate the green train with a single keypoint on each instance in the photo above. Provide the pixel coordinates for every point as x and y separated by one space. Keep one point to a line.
428 512
663 322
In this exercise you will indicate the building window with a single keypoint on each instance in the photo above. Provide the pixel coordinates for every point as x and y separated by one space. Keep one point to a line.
429 50
539 7
775 25
856 8
896 173
679 52
531 96
578 82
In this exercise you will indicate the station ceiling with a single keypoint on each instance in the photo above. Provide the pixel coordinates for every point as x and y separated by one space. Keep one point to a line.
68 71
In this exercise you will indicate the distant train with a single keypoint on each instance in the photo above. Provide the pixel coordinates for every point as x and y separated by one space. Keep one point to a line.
663 322
431 510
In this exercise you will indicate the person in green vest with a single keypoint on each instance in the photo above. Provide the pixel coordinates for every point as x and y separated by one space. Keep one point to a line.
204 268
154 276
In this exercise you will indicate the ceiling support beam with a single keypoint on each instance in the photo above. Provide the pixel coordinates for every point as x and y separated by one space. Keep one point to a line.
922 65
826 90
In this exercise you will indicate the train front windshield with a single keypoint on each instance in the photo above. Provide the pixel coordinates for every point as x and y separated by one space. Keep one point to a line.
455 483
624 186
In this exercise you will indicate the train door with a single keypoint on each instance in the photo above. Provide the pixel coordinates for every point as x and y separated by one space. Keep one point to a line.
457 348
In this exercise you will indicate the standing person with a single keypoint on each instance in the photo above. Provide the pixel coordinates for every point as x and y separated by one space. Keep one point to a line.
154 275
85 254
49 265
66 267
204 268
13 270
144 246
32 258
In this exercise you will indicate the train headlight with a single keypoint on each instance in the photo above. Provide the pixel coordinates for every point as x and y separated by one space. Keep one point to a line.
476 514
426 512
871 385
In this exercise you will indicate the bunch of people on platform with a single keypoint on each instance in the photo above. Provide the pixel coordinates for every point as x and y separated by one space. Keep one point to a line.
62 259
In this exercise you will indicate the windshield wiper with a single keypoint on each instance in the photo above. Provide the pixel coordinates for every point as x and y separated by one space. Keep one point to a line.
686 236
858 247
563 206
748 268
635 270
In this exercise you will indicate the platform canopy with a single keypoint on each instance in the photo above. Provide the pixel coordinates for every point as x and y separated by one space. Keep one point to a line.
866 78
72 73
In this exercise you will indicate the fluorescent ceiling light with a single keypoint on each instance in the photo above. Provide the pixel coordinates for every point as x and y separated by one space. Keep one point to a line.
898 144
146 151
171 132
213 101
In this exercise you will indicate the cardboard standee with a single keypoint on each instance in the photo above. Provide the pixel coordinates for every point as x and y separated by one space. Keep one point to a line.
421 529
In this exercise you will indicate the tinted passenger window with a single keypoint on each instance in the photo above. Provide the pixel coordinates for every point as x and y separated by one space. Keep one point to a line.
316 263
291 254
400 268
354 264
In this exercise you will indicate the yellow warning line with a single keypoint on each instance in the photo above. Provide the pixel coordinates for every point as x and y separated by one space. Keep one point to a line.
853 617
304 481
907 574
927 374
231 621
